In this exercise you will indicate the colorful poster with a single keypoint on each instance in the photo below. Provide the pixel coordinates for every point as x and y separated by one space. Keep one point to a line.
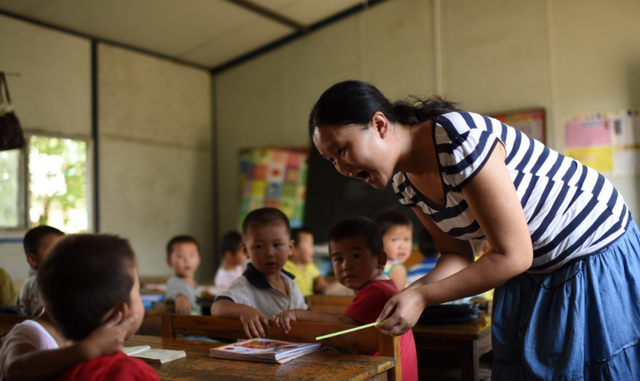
531 122
273 177
607 141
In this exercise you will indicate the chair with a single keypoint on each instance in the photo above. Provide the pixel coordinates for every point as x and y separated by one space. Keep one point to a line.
329 304
369 339
7 321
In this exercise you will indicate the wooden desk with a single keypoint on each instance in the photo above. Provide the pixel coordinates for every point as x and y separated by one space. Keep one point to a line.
471 340
327 366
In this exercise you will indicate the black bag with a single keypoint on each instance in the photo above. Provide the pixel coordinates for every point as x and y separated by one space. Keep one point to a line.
11 135
450 313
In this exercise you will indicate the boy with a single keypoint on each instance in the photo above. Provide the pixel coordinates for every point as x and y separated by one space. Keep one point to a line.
265 289
87 279
357 254
429 250
183 256
233 260
397 230
36 244
307 275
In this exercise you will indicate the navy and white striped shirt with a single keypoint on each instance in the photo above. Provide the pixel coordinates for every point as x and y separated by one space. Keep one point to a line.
571 210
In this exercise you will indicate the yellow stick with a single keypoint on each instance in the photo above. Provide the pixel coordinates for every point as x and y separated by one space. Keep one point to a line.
348 330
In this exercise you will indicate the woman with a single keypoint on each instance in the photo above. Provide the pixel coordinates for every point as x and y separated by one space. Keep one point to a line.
565 252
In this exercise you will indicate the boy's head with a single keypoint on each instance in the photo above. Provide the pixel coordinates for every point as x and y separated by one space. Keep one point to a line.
267 239
232 249
357 252
302 245
86 279
427 245
183 255
37 242
396 229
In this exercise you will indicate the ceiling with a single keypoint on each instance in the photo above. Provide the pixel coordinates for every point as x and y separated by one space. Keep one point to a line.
212 34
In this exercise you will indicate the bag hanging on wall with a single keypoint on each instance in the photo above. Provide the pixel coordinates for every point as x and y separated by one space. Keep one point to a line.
11 135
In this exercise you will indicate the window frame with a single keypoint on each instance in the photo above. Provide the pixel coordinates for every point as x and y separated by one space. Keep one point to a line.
24 182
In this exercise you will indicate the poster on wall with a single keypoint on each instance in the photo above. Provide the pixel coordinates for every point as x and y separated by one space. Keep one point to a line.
607 141
531 122
273 177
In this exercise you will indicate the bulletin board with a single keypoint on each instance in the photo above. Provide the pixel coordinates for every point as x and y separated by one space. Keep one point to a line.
607 141
273 177
531 122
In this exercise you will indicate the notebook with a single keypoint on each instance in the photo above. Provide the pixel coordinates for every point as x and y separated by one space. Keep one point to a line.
153 356
263 350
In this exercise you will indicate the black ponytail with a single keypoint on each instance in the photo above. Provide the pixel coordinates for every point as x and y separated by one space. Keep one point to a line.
355 102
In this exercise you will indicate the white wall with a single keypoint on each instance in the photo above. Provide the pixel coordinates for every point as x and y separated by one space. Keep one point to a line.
566 56
52 94
155 156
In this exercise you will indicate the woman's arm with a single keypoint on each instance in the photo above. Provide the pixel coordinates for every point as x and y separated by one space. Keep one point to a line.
492 198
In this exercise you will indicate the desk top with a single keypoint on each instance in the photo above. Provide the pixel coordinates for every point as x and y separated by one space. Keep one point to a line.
314 366
471 330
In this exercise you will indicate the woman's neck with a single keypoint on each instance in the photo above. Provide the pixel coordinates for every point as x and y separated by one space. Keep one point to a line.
417 148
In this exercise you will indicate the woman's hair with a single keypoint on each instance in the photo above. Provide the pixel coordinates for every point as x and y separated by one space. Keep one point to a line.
355 102
84 277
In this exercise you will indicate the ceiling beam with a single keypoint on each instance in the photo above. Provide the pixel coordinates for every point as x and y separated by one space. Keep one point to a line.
268 13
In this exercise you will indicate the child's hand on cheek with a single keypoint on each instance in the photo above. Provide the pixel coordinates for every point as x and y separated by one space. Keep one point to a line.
254 322
107 339
283 318
183 307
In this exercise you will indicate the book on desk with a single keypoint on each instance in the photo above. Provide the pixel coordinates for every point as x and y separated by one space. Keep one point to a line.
263 350
153 356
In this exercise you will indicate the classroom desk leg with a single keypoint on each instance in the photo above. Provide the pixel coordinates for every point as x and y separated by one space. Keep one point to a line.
469 361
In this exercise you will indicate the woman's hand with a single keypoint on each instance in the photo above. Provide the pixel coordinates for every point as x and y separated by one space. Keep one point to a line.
402 312
283 319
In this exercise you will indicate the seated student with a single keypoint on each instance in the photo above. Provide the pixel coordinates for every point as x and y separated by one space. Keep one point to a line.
397 231
233 260
36 244
265 289
358 257
90 289
183 256
429 250
8 292
300 264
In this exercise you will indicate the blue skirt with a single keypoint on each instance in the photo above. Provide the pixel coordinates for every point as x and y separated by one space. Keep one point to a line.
580 322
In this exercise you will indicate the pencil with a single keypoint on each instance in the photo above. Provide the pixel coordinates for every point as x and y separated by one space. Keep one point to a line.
348 330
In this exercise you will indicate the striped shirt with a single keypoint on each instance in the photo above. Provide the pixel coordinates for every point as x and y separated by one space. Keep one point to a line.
571 210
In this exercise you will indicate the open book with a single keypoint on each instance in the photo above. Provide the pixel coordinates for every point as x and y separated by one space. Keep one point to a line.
153 356
263 350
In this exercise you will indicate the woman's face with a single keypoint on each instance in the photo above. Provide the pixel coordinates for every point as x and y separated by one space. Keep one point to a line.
356 152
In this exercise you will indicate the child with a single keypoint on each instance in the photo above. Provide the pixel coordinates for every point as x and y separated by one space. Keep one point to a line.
429 250
88 279
233 260
396 229
358 257
36 246
264 289
307 275
183 256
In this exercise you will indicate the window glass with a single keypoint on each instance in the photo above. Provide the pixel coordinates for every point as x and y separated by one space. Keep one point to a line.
10 188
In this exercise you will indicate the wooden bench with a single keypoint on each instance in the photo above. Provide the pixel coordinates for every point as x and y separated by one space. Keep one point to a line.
329 304
369 339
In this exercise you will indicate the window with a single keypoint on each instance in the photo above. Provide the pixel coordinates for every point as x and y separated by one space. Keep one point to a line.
46 182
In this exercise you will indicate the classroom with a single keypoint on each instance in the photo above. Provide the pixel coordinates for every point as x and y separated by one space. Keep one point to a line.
163 120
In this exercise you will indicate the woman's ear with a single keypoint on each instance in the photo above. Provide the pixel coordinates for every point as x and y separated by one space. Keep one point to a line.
380 122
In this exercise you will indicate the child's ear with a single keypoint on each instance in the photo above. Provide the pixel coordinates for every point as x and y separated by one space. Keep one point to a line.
32 260
169 260
244 249
382 259
121 307
292 244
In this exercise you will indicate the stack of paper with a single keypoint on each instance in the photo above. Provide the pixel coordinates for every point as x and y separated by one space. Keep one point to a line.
263 350
153 356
